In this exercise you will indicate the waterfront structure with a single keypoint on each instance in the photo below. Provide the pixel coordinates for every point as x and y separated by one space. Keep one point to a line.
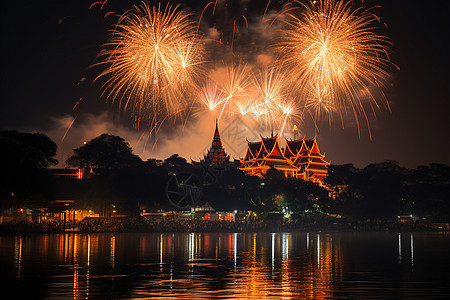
67 173
299 158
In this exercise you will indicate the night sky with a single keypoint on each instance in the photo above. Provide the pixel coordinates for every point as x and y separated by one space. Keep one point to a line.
49 46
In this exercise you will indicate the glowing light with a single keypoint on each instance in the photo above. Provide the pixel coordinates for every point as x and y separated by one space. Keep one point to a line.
335 56
152 59
259 95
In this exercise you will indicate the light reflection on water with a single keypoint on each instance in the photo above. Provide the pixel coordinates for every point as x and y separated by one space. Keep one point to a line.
227 265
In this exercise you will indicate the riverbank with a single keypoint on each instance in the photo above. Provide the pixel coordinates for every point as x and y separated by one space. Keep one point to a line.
139 224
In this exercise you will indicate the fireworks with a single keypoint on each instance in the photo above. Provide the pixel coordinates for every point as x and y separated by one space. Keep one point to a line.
335 55
332 61
257 95
210 95
319 101
152 59
270 100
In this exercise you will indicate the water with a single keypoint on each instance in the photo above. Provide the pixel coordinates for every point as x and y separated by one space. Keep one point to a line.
227 265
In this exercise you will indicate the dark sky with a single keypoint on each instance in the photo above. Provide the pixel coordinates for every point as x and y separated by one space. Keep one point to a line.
48 46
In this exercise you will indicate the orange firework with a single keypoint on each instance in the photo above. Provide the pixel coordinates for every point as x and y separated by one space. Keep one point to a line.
269 98
233 83
210 95
333 51
259 96
319 101
153 58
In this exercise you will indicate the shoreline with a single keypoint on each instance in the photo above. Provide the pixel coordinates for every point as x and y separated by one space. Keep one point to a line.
4 233
144 225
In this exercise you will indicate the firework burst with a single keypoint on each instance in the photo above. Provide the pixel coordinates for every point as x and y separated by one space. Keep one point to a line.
270 98
152 59
333 51
232 84
259 96
332 61
210 95
319 101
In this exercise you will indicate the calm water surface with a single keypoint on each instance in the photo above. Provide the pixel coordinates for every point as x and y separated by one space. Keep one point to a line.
227 265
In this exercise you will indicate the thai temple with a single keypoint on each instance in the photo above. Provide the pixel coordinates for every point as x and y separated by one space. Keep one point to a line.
216 156
299 159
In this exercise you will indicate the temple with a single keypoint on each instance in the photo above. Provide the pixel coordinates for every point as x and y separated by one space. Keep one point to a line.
216 156
299 159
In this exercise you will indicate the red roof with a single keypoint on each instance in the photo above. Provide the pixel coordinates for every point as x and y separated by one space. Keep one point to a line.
299 155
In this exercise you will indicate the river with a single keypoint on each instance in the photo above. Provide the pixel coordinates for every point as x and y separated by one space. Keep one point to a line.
302 265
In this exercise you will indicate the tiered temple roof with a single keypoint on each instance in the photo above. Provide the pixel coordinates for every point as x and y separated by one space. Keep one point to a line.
216 156
299 159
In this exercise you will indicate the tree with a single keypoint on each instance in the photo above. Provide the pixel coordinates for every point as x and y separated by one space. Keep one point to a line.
428 192
232 190
116 187
375 192
128 189
274 175
176 163
26 150
106 152
25 157
382 189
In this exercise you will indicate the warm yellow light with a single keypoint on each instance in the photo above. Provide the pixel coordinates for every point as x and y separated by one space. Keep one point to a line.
336 56
153 57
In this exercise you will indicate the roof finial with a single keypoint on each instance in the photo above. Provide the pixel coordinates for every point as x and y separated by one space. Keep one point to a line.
216 132
295 132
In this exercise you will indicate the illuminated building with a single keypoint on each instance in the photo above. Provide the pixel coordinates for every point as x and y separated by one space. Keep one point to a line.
68 173
216 156
299 159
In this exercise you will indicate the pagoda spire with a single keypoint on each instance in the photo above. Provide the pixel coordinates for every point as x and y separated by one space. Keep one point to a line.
216 156
216 133
216 140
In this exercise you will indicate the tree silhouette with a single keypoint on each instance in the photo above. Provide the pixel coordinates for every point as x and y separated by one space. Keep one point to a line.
26 150
24 159
106 152
176 163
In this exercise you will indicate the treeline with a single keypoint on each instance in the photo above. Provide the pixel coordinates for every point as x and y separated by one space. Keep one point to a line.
122 182
384 190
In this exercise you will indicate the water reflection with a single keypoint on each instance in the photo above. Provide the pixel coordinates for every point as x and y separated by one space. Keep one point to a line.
112 251
410 250
18 254
198 265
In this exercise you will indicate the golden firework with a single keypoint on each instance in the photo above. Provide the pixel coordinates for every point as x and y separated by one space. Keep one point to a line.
259 96
233 83
319 101
152 59
271 104
335 55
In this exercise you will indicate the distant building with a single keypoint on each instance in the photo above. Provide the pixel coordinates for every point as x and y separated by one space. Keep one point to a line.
216 156
67 173
299 159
